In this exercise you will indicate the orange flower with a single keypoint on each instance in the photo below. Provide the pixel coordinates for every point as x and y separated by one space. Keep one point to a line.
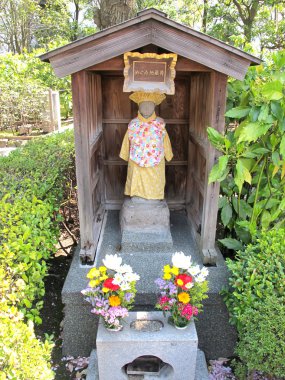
183 297
114 301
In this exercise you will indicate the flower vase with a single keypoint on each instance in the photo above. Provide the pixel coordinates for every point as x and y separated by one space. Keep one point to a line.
113 327
178 324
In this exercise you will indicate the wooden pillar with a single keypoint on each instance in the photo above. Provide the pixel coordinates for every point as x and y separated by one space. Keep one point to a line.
217 107
82 121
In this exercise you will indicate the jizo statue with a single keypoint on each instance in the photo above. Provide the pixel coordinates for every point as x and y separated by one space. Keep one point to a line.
146 145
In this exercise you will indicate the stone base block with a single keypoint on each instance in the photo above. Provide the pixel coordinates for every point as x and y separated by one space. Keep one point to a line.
177 349
145 225
201 372
146 241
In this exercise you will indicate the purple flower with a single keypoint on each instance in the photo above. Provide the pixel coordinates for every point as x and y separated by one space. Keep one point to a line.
128 296
160 283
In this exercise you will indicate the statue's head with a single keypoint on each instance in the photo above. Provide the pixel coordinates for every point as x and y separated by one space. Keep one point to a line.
146 108
147 101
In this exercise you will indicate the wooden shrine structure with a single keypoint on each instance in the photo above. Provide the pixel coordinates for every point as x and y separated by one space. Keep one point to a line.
102 112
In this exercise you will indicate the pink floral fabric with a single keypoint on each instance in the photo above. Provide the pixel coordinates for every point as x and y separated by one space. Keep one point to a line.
146 141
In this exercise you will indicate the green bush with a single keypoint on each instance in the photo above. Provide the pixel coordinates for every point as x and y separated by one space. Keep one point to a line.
262 338
252 167
33 181
22 356
258 272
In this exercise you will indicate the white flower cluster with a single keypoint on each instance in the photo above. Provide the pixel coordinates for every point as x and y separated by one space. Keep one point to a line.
180 260
124 273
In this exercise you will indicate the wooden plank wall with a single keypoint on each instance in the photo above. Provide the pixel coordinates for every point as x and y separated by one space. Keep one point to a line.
87 108
118 110
197 146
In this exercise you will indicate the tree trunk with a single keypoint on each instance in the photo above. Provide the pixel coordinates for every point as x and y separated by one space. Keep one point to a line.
112 12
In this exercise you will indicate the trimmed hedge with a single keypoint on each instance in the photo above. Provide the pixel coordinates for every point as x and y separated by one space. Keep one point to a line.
34 180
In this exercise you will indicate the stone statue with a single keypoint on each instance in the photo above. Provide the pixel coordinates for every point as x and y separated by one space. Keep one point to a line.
146 145
144 217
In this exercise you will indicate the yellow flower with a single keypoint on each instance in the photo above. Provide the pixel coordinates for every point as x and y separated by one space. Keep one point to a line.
175 271
105 290
102 269
94 283
167 276
114 301
167 269
103 278
179 282
183 297
94 272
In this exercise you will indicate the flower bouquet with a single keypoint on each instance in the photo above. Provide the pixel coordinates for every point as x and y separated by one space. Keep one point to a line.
111 291
182 289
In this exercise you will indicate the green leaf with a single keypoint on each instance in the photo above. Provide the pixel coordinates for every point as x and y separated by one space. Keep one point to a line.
263 113
272 90
238 112
215 137
277 110
282 147
265 219
242 175
231 243
220 170
226 214
252 131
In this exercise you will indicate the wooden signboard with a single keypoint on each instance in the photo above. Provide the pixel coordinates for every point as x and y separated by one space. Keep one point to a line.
149 72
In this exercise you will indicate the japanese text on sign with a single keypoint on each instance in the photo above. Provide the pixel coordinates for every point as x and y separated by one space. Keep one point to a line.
149 71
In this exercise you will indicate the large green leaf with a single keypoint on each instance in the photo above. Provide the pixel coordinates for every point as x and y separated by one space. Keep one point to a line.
215 137
238 112
277 110
220 170
252 131
231 243
226 214
242 175
272 90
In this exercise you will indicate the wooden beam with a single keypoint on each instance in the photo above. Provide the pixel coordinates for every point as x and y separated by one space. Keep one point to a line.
117 64
217 121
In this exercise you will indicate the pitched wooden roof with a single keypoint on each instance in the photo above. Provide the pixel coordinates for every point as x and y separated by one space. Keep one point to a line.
150 27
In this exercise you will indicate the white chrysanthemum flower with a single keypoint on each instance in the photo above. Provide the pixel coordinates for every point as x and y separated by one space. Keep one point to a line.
112 262
204 272
200 278
118 279
125 269
125 286
189 285
194 270
180 260
131 277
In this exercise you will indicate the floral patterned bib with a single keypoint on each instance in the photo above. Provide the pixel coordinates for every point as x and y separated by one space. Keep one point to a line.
146 141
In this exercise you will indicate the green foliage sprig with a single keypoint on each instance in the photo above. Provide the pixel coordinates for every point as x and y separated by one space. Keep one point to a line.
252 167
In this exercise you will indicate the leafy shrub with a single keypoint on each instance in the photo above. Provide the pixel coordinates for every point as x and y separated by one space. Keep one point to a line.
22 356
252 167
33 180
262 338
257 273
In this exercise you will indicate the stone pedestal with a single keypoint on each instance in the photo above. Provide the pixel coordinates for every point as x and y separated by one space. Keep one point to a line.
145 225
177 349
